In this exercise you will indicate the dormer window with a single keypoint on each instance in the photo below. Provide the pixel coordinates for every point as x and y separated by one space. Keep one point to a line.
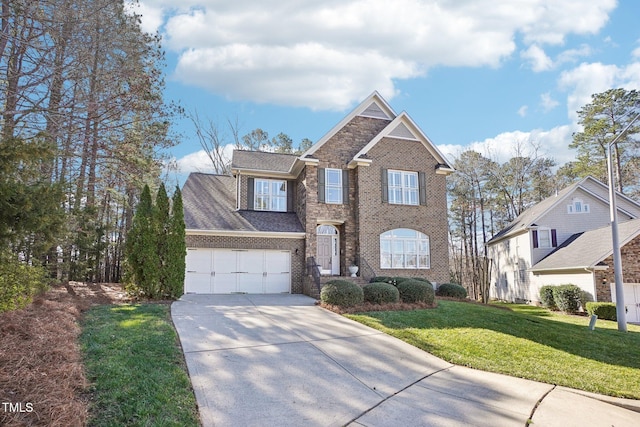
577 206
270 195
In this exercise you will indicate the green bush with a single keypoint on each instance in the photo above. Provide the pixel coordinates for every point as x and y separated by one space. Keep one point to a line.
341 293
604 310
383 279
400 279
567 298
451 290
380 293
546 297
416 291
19 283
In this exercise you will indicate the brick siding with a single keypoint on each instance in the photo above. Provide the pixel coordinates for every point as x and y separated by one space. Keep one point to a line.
630 254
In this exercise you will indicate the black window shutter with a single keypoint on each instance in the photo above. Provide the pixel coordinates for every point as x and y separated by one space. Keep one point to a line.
554 238
422 188
534 236
345 186
321 185
250 192
290 189
385 186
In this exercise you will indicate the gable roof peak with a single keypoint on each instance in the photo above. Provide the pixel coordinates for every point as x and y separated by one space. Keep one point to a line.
374 106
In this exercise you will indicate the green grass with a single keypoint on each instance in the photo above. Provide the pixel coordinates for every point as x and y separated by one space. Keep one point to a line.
136 368
522 341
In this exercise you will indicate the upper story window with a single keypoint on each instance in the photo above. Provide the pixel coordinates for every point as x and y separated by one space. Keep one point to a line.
333 185
577 206
404 248
270 195
544 238
403 187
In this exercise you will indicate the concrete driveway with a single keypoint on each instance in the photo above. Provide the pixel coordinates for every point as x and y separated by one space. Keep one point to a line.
279 360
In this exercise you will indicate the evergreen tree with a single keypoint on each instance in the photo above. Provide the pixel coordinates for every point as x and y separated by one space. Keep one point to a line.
177 248
142 245
162 220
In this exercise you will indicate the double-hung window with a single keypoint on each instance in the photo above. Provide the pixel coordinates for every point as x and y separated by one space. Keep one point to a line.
403 187
333 186
270 195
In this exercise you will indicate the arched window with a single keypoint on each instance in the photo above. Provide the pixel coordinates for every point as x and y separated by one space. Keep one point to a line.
404 248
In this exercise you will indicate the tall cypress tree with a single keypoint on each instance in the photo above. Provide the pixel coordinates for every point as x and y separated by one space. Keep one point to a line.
142 246
163 219
176 248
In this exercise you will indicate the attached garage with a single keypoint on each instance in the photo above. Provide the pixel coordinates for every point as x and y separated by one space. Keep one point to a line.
631 300
225 271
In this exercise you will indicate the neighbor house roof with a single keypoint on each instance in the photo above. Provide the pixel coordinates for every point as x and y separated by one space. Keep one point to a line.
529 217
588 249
209 206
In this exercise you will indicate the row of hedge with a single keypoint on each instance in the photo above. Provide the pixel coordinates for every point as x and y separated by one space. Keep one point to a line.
565 298
383 290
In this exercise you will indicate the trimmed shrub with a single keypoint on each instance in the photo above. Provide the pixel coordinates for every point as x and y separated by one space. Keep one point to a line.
546 297
416 291
604 310
380 293
567 298
341 293
451 290
383 279
399 279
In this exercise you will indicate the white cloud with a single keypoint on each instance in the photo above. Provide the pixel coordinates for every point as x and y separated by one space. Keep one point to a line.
328 54
553 144
199 161
547 102
591 78
538 58
522 111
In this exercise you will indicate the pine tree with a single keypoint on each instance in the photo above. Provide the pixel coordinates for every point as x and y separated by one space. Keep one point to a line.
142 244
176 248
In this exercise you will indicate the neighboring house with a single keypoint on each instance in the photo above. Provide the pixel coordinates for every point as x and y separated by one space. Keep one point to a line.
566 238
371 192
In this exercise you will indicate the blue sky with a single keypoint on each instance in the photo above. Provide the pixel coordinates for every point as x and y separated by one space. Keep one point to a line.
489 75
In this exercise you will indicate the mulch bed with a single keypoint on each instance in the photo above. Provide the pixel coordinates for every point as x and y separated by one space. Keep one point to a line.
42 380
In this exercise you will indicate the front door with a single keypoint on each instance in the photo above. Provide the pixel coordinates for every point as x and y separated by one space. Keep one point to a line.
328 252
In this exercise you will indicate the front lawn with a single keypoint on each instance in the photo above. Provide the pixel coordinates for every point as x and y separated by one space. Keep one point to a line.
522 341
134 362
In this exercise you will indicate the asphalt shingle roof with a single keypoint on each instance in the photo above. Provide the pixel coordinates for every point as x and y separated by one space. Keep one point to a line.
587 249
262 161
209 204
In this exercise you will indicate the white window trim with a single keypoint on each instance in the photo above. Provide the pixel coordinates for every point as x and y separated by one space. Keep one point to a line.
547 232
584 207
269 196
336 187
403 189
420 237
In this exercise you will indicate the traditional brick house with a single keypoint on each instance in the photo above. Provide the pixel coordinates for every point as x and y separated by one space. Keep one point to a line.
370 193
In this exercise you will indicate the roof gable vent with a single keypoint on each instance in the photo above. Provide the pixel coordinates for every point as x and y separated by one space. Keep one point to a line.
374 110
401 131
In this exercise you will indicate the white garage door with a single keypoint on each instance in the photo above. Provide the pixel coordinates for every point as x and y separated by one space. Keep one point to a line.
631 300
225 271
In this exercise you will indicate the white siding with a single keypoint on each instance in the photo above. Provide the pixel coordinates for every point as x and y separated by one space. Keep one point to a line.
509 278
583 279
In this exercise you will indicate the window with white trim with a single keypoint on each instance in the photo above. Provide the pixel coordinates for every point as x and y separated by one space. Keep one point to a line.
270 195
404 248
577 206
403 187
333 186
